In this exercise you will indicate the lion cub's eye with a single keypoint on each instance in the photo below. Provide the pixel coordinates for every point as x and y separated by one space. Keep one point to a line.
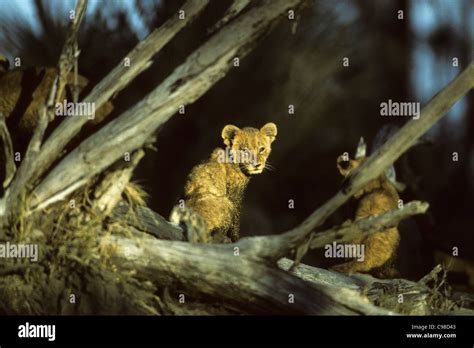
261 149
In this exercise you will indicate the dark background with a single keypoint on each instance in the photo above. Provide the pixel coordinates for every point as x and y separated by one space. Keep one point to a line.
402 60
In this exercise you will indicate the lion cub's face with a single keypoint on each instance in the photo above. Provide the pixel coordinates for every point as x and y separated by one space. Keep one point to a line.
250 147
346 165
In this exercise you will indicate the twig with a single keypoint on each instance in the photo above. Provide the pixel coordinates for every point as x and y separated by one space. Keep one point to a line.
432 275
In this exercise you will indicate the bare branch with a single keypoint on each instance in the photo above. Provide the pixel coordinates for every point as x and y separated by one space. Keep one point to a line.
140 59
276 247
109 191
6 139
233 11
364 227
413 129
146 220
188 82
68 55
29 163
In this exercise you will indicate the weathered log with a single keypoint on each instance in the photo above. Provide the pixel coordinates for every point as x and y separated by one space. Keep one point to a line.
397 295
146 220
229 276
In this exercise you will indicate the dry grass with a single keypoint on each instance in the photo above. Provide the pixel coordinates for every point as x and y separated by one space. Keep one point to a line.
72 260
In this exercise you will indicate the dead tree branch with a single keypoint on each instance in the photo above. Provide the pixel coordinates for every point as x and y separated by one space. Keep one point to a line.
139 59
418 297
207 65
217 272
68 56
233 11
109 192
364 227
29 163
146 220
9 164
275 247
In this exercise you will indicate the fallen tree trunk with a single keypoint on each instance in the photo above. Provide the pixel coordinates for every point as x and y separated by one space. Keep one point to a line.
228 277
167 264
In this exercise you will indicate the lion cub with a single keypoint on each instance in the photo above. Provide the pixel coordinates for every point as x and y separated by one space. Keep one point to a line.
377 197
215 188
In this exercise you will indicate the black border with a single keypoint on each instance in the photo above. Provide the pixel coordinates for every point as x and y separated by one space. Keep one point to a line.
238 330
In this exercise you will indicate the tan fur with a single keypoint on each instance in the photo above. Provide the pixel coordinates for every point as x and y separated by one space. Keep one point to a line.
377 197
215 188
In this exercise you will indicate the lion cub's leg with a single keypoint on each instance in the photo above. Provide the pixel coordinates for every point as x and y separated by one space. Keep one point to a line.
379 248
234 232
217 212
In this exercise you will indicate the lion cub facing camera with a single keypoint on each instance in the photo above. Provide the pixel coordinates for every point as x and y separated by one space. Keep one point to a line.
215 188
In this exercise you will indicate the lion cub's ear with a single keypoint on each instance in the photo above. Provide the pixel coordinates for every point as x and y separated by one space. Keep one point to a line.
229 133
270 130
